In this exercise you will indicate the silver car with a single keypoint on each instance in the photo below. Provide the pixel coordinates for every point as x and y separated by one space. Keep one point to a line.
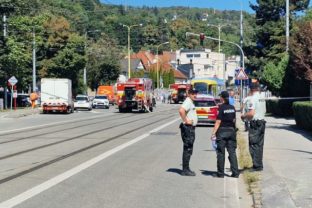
100 101
82 102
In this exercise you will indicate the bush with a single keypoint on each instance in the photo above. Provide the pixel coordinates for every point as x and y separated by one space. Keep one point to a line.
303 114
280 107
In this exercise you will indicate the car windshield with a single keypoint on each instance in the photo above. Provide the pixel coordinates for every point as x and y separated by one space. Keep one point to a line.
203 88
204 103
81 98
100 97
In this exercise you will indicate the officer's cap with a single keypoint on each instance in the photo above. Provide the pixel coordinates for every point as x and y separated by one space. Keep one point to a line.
224 94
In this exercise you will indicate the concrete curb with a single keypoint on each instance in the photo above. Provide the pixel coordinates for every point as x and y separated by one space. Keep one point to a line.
19 113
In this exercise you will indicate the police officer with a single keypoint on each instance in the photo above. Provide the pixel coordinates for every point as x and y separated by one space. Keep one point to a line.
189 121
256 130
224 130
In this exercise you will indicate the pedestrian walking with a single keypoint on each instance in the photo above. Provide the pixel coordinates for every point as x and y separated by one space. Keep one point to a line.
225 132
231 97
153 100
33 98
169 98
256 113
189 121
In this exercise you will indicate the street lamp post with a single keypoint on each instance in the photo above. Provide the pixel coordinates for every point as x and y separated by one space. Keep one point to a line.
240 48
129 29
287 25
219 30
85 47
157 65
34 61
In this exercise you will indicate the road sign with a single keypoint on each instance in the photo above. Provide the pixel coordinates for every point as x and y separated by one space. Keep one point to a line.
15 94
241 75
12 81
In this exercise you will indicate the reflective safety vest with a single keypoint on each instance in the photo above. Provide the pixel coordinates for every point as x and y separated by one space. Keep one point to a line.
33 96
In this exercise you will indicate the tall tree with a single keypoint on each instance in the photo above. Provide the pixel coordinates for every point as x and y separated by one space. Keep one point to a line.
64 57
270 36
103 65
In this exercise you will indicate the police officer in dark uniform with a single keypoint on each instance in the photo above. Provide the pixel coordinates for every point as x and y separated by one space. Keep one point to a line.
225 132
255 114
189 121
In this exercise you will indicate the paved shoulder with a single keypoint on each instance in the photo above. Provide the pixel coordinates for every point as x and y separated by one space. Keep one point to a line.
287 165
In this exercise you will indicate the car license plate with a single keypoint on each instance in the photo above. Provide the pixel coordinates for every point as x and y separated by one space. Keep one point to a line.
202 116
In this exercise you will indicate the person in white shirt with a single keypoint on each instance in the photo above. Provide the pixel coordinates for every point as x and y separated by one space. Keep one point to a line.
189 118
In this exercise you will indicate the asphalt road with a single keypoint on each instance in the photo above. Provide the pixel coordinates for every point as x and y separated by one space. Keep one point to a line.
108 159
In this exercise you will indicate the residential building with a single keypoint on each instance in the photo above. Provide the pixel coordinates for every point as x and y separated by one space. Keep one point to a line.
232 63
204 62
148 62
135 66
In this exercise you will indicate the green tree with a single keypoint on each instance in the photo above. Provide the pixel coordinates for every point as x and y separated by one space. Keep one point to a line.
273 75
270 41
64 52
103 62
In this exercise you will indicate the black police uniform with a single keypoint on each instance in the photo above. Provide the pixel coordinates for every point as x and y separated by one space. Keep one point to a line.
257 130
188 138
226 138
256 142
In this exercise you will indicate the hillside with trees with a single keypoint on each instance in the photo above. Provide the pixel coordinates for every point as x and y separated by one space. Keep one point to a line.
73 34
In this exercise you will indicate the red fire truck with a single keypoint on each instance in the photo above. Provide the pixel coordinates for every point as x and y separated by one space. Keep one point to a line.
135 94
178 92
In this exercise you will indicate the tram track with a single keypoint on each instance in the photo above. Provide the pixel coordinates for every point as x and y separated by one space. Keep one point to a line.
69 139
67 129
63 157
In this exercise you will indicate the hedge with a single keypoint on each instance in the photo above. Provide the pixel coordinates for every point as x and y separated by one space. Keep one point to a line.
281 107
303 114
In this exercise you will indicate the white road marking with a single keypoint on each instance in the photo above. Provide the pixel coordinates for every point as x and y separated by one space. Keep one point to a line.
44 125
62 177
230 187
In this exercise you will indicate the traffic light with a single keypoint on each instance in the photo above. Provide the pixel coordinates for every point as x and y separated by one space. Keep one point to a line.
201 38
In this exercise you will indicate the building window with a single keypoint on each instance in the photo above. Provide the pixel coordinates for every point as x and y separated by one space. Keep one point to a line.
206 66
197 55
207 55
189 55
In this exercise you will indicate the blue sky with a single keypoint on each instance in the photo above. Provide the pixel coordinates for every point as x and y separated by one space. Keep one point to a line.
218 4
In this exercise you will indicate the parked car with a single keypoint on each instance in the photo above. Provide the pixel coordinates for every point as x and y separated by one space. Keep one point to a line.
82 102
206 109
23 100
100 101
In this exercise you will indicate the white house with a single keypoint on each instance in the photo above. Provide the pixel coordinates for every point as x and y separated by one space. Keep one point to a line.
205 62
232 63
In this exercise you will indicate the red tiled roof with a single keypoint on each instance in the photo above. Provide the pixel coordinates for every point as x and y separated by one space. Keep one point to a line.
179 75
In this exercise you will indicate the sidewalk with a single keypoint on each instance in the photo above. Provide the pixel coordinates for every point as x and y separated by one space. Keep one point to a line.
286 179
18 113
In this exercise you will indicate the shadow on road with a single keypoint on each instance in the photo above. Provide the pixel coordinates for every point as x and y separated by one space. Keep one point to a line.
301 151
211 173
290 127
174 170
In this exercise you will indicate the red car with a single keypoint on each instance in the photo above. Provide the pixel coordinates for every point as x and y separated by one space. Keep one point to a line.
206 109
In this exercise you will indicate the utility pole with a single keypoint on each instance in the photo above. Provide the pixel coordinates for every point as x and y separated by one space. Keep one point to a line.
5 83
85 68
287 25
34 61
